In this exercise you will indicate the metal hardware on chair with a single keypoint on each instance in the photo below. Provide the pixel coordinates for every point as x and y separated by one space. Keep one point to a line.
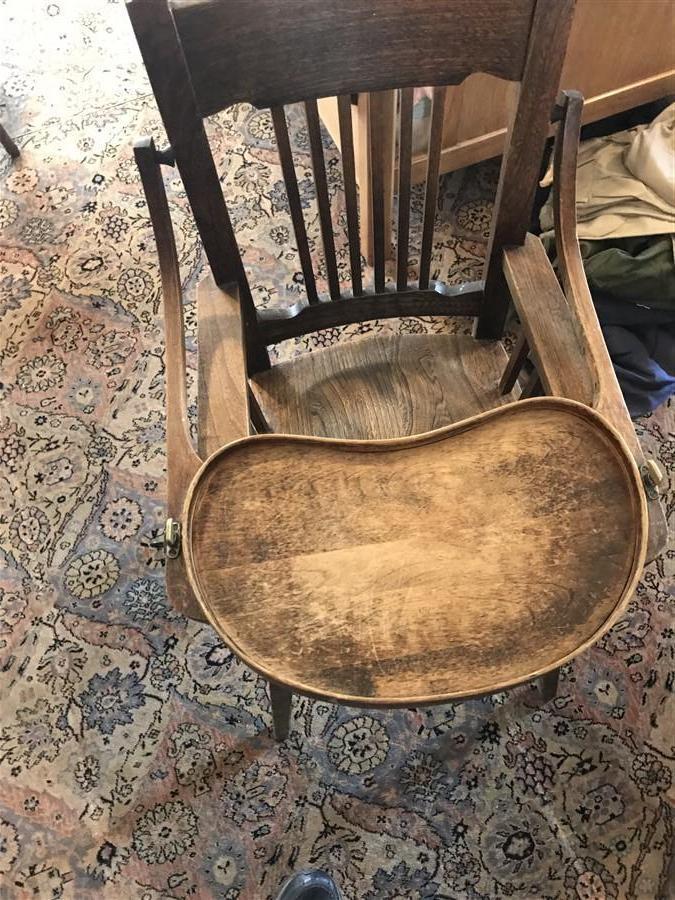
652 478
172 535
170 540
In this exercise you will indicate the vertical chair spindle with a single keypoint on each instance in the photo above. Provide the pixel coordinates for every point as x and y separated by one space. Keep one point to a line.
322 197
431 191
291 181
514 366
351 200
378 122
404 175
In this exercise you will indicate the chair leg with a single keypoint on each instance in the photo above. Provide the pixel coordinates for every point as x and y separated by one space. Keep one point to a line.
514 366
532 387
258 419
549 685
281 699
8 143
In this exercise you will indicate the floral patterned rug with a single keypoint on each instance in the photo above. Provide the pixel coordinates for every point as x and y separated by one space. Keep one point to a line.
135 754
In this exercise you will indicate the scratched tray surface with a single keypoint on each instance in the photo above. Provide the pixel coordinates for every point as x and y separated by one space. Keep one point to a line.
428 568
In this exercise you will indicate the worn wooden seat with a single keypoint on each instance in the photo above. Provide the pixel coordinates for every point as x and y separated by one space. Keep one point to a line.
460 562
383 386
433 567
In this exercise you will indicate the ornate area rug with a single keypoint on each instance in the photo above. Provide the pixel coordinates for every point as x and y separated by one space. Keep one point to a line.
135 754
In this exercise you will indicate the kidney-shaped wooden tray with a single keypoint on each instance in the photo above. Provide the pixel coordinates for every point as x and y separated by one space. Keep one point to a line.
418 570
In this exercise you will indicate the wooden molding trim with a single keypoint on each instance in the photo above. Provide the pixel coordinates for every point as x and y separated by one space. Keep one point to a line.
599 107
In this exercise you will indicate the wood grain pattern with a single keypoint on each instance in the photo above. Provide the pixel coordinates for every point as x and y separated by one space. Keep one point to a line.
514 366
468 151
479 109
361 119
548 323
182 461
181 457
222 404
454 564
382 386
379 155
423 569
607 399
568 349
440 300
396 44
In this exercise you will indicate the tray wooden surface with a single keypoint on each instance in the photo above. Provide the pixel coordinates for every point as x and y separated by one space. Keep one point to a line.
424 569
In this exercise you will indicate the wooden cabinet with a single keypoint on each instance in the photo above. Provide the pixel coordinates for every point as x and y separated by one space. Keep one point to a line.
621 53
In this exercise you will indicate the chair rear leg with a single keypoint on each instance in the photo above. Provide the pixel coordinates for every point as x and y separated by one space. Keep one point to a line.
257 416
281 699
8 143
549 685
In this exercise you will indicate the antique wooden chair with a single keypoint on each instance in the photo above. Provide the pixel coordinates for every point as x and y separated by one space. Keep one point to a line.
451 542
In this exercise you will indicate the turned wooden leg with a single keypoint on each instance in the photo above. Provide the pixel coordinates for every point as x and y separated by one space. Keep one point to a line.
281 699
549 685
8 143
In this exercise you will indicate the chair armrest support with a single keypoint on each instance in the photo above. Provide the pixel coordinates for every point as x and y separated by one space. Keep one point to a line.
564 366
224 411
182 460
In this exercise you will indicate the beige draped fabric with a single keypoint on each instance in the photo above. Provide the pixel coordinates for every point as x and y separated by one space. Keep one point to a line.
625 183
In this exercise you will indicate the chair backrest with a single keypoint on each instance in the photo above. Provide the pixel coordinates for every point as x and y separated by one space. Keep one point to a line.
204 55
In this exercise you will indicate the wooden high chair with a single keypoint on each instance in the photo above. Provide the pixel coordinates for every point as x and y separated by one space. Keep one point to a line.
405 533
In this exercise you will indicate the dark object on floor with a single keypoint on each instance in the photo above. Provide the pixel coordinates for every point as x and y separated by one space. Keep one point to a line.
632 281
641 343
8 143
311 885
637 270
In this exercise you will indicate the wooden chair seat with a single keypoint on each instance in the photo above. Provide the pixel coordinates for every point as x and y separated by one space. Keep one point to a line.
424 569
382 386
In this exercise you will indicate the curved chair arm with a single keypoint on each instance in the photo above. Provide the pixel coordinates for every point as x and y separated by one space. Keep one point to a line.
182 460
608 398
223 401
561 326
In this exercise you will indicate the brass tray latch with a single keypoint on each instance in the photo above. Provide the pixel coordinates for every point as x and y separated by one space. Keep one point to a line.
652 478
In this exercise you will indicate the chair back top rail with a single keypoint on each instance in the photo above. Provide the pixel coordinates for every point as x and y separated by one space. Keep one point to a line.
204 55
274 52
